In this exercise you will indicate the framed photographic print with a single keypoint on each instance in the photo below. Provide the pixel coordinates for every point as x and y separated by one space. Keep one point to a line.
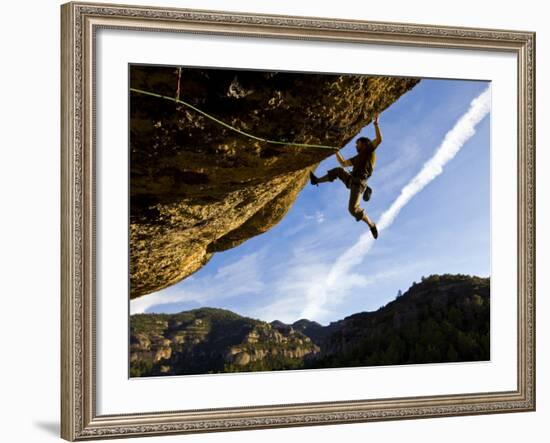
283 221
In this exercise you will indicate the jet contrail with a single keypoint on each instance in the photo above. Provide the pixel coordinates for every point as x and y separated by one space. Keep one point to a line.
461 132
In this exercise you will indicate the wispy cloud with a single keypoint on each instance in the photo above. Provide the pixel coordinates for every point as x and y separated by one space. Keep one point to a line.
241 277
319 217
396 173
287 305
319 294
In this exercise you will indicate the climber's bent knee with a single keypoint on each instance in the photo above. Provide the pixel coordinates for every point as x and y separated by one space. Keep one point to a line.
356 212
335 173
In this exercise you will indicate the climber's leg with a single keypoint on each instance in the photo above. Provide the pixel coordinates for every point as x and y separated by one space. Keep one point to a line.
330 176
358 213
353 204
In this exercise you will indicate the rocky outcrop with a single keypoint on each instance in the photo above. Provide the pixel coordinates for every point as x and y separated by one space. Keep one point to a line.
197 188
268 342
212 340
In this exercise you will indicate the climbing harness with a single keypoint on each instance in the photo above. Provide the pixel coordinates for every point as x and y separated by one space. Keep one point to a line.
232 128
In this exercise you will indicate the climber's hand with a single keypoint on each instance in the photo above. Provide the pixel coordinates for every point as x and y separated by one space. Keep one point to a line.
375 118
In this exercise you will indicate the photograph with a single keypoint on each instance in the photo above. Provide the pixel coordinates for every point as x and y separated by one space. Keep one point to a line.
283 220
295 219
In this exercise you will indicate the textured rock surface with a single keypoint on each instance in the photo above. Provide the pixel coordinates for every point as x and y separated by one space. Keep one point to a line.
197 188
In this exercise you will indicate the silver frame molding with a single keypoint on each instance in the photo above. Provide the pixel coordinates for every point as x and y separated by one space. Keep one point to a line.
79 22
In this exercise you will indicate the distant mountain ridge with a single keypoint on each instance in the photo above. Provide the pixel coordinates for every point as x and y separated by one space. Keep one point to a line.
443 318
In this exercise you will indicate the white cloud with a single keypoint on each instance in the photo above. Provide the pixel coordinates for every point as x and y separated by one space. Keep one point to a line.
323 291
241 277
319 217
296 292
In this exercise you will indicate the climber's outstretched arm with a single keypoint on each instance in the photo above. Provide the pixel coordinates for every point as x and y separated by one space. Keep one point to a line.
378 138
343 162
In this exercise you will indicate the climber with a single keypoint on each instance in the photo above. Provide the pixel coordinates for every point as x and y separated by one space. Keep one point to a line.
356 181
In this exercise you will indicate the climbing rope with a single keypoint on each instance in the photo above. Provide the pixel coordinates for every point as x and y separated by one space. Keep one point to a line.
228 126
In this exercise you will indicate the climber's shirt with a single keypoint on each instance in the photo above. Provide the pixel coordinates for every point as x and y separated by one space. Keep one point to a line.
363 164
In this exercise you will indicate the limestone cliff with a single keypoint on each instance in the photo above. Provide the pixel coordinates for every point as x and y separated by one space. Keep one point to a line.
197 188
209 340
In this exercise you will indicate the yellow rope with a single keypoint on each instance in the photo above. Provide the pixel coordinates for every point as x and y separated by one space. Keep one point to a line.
228 126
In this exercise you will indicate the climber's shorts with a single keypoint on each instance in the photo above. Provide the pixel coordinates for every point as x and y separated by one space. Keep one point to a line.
357 187
348 179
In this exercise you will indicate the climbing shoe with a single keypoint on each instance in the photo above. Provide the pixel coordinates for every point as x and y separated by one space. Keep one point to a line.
374 231
367 194
313 179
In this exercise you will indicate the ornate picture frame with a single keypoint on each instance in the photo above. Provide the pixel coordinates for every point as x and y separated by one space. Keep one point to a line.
80 23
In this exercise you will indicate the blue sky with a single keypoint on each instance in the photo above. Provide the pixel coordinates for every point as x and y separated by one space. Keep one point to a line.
319 263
